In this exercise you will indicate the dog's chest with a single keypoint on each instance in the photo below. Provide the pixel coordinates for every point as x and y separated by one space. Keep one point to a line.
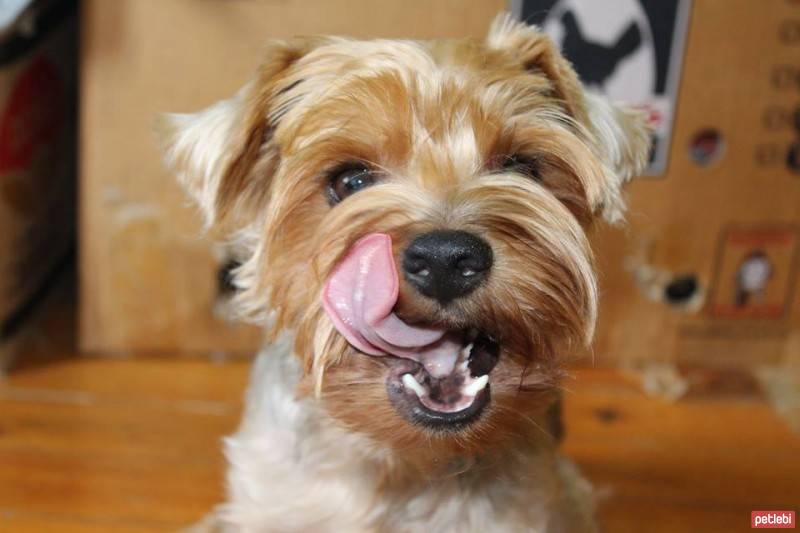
291 471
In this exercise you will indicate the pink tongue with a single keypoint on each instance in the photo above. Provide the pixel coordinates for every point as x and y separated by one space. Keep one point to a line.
359 298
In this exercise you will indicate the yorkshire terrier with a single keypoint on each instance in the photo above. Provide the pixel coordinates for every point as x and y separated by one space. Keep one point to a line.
412 218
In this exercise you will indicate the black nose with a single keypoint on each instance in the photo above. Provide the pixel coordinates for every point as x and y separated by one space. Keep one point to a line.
447 264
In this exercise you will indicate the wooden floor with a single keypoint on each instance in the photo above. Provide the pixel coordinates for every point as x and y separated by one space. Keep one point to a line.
91 444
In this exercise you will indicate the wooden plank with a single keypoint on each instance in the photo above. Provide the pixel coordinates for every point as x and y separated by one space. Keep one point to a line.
100 443
14 521
183 378
89 445
173 431
704 459
636 516
108 486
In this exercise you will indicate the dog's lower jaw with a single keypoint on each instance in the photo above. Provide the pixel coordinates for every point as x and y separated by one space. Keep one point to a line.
292 468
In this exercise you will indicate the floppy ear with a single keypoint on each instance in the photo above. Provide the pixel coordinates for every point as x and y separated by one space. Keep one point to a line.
622 136
537 53
214 152
618 136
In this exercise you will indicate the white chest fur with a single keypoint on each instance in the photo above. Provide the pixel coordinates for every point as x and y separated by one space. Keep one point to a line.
291 468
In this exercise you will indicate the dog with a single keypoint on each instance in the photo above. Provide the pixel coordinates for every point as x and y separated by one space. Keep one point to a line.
411 219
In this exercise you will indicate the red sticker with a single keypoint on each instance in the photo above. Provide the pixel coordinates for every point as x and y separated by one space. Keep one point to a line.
33 115
772 520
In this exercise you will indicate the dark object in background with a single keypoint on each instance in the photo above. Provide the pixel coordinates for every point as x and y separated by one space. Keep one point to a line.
603 59
225 285
793 155
793 158
37 152
681 289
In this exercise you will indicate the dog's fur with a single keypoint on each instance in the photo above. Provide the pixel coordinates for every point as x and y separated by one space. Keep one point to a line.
321 447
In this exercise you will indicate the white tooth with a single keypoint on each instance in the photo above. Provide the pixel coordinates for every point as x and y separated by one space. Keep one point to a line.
465 356
475 387
413 384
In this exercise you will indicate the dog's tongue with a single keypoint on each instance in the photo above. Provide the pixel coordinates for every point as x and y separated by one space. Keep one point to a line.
359 297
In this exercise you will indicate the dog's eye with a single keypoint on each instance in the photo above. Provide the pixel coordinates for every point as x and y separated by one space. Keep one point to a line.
527 166
348 180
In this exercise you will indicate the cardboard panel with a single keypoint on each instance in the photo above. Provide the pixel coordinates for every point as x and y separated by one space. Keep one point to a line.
741 79
148 279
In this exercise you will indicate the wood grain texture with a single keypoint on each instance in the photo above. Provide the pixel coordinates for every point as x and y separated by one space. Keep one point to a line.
93 444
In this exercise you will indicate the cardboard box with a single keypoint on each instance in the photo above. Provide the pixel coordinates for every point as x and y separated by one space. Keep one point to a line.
730 222
670 278
37 153
149 281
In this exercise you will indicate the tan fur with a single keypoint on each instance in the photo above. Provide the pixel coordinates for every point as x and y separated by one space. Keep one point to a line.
435 120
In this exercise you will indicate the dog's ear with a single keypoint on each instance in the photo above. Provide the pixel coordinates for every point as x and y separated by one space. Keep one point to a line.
537 53
622 137
619 136
223 155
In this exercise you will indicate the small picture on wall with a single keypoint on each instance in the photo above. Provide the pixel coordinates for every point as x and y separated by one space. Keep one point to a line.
756 271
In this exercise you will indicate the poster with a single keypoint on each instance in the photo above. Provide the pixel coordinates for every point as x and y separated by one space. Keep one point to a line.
630 50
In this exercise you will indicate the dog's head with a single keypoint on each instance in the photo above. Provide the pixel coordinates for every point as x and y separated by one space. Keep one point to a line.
416 212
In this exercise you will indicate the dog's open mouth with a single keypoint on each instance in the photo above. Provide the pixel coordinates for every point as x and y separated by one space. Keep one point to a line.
445 402
438 378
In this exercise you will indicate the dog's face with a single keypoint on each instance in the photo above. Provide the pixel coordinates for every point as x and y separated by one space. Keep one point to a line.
481 164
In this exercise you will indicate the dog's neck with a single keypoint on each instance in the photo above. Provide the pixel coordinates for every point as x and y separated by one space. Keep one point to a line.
290 460
274 409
